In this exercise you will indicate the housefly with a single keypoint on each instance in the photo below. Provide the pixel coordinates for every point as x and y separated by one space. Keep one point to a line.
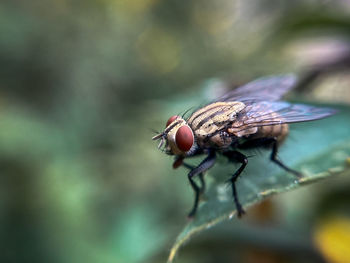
248 117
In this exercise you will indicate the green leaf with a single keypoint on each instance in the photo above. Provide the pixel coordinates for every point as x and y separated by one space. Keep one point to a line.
318 149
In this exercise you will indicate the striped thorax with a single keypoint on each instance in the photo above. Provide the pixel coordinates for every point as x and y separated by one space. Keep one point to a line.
210 123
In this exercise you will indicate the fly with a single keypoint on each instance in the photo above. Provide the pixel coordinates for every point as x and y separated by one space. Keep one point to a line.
251 116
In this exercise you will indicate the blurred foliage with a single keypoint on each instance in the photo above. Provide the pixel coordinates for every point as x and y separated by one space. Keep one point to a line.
83 83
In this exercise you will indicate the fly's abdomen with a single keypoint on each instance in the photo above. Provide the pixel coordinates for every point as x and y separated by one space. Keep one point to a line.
252 128
278 131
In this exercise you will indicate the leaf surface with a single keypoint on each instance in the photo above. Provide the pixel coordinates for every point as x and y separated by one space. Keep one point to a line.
318 149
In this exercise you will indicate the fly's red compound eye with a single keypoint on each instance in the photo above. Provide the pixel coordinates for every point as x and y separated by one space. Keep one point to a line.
184 138
171 119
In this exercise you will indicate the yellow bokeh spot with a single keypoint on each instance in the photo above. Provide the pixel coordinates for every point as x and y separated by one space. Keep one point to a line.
158 50
332 238
348 161
214 17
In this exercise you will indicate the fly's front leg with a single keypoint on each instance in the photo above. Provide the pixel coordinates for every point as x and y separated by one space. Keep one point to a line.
179 161
208 162
201 177
235 156
268 142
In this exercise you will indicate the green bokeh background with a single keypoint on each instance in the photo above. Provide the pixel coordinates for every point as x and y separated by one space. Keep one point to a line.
84 83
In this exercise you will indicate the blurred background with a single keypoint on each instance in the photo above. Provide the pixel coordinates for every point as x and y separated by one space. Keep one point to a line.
84 83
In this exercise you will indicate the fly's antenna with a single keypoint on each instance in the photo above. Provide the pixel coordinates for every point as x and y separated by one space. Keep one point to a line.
163 134
158 136
161 143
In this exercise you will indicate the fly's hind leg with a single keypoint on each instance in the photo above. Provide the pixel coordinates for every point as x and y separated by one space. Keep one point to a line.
235 156
269 142
273 158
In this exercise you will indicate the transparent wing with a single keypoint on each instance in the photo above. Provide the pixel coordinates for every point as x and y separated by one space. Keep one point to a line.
272 113
270 88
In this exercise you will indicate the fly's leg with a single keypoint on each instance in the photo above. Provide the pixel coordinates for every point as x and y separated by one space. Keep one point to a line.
179 161
235 156
273 158
208 162
201 178
268 142
196 190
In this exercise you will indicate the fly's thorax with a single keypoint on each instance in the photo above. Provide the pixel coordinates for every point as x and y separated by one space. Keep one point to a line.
209 123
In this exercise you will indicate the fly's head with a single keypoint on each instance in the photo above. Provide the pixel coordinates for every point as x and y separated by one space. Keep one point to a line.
177 138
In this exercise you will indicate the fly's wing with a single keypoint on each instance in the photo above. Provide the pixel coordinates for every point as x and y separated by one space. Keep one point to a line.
272 113
270 88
